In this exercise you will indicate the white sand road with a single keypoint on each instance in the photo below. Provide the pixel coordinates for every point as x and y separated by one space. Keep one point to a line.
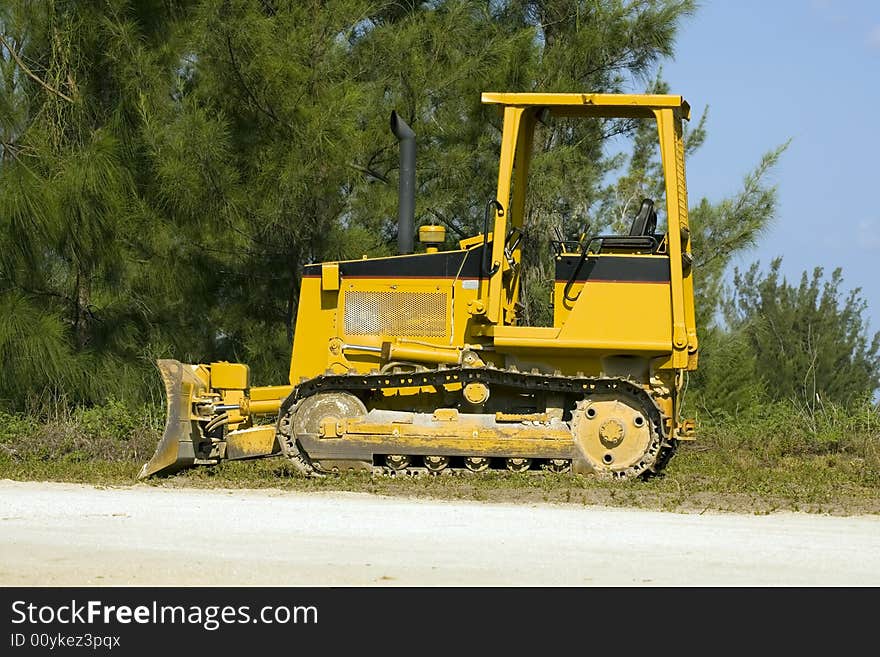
68 534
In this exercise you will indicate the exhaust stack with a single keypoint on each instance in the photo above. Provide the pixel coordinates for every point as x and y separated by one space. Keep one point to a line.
406 186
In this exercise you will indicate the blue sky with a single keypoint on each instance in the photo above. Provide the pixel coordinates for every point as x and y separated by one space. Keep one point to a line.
805 70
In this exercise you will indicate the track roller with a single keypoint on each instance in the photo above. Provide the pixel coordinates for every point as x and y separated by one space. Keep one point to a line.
518 464
557 465
436 463
476 463
397 461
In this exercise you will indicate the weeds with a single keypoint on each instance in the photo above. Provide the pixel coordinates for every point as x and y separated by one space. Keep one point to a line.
759 461
766 435
56 431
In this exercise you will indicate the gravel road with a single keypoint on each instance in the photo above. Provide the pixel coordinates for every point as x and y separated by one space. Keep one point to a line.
68 534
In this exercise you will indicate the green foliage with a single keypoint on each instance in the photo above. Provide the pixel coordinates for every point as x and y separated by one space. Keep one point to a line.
804 344
728 378
166 168
721 230
810 341
772 432
55 430
34 351
769 458
76 318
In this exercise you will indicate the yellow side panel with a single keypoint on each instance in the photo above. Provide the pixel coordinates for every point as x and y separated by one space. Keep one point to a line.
229 376
634 314
315 325
366 312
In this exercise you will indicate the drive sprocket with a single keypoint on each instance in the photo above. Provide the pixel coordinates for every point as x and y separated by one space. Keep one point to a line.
617 435
306 417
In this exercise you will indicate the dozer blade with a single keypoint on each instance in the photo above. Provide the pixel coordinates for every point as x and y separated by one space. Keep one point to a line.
175 450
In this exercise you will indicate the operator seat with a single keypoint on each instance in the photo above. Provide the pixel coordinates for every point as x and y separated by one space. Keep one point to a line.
641 238
645 222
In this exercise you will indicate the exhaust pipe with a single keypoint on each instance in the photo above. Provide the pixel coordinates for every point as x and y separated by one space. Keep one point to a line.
406 186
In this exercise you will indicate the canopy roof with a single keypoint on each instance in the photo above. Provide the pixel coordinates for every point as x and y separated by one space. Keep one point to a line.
606 105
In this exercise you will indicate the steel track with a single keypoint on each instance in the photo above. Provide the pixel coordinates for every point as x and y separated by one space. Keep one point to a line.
510 379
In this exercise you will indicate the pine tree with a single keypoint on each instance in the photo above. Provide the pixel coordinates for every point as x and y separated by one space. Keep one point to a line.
74 77
166 168
810 341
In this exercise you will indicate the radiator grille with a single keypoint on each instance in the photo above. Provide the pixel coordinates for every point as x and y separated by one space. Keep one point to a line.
405 314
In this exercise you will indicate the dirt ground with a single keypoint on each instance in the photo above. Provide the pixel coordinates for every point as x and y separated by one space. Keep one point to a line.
71 534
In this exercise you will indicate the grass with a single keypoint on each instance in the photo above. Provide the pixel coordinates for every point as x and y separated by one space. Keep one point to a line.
775 458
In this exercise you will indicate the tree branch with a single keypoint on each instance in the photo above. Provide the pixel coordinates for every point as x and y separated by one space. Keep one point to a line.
369 172
268 111
32 75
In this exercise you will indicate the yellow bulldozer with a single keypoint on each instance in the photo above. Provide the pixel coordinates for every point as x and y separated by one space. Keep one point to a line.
416 363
